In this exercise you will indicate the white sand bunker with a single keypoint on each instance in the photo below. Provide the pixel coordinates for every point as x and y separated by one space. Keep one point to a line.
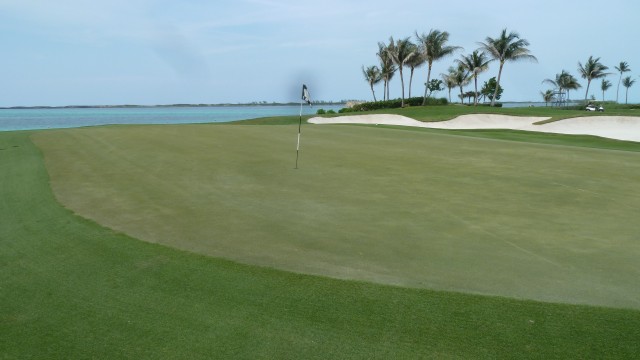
614 127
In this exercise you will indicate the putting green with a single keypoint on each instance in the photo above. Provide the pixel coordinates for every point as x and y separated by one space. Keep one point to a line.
415 209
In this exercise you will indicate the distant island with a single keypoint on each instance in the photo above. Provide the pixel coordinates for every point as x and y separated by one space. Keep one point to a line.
255 103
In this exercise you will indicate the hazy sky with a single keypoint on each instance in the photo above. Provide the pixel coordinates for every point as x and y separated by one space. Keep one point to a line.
212 51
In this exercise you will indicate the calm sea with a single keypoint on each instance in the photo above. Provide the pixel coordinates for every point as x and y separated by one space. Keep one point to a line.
30 119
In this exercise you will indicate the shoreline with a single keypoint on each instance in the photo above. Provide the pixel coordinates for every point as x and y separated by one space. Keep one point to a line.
125 106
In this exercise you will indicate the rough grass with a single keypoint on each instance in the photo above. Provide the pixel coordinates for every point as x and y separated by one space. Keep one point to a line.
410 208
70 288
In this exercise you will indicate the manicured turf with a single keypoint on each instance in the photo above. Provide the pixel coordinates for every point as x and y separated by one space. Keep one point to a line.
70 288
410 208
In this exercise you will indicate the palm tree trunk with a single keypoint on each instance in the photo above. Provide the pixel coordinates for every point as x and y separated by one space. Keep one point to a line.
587 92
626 97
475 95
401 83
426 87
449 95
461 96
618 91
410 82
374 94
495 93
384 90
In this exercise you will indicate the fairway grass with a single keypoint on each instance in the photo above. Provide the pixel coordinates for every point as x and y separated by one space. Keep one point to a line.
73 289
408 208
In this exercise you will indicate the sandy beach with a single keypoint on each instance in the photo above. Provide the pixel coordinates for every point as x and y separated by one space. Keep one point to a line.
613 127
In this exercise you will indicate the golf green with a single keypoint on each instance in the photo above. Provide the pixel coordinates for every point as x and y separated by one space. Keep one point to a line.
410 208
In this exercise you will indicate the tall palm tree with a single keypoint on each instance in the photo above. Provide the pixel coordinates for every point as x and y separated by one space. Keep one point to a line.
459 77
449 81
569 82
604 86
387 69
592 69
401 52
373 76
547 96
506 47
434 48
474 64
627 82
415 63
564 81
622 68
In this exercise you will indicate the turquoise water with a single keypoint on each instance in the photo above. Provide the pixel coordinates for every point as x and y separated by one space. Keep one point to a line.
31 119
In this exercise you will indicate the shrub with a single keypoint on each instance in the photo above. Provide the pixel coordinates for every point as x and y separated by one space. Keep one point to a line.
396 103
330 112
487 104
320 112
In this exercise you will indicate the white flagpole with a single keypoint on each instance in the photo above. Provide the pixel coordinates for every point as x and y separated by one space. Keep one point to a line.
299 130
307 98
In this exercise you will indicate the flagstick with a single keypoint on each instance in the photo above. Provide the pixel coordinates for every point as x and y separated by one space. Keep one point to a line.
299 130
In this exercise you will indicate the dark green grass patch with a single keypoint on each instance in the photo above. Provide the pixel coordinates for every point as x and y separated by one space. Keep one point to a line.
586 141
72 289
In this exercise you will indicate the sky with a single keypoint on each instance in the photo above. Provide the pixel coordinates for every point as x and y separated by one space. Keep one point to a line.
109 52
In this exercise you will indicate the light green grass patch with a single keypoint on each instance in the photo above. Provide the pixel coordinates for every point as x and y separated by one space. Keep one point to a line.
400 207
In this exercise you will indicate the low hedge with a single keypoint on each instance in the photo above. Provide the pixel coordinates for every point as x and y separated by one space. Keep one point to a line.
395 103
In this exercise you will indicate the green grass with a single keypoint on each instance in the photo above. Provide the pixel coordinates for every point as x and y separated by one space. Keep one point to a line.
585 141
73 289
409 208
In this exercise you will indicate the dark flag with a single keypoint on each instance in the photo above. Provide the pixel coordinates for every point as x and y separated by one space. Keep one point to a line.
305 94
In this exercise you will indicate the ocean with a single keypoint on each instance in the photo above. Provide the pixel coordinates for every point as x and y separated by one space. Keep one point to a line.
52 118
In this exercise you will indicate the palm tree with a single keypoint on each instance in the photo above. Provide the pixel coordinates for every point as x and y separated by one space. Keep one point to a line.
459 77
627 82
373 76
415 63
604 86
547 96
592 69
387 69
434 48
569 82
475 63
449 81
564 81
507 47
401 52
622 68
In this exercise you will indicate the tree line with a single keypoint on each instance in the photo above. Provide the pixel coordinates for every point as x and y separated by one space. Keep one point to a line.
591 70
398 55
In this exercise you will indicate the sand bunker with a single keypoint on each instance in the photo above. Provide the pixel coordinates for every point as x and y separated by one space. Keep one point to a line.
614 127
